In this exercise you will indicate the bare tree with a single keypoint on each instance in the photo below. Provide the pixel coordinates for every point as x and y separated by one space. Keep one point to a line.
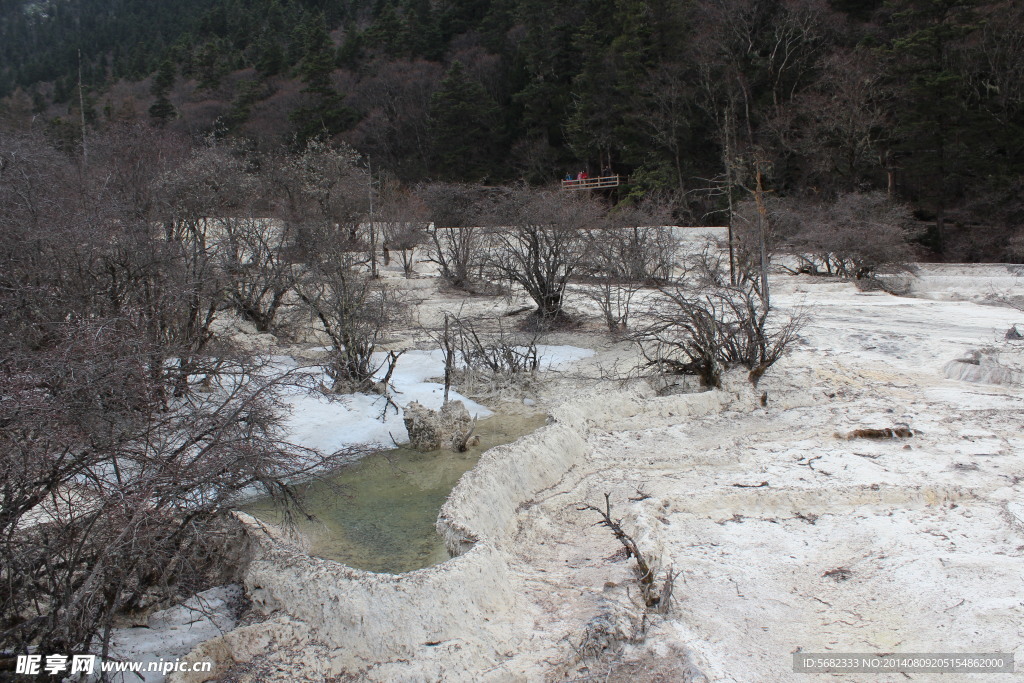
541 242
259 271
325 197
395 97
843 124
748 51
854 236
669 90
402 217
456 234
635 251
355 312
322 190
755 240
702 325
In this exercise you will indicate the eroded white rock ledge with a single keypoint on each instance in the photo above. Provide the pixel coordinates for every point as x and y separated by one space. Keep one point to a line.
456 620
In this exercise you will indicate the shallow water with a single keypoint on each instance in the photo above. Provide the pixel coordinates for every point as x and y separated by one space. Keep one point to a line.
379 513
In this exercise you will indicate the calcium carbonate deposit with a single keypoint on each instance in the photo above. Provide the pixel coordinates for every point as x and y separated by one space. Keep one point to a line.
792 526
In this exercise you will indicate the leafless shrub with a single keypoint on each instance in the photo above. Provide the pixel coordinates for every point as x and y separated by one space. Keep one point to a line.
459 248
502 353
644 245
702 325
109 251
541 242
614 298
858 235
897 280
220 254
1012 298
483 357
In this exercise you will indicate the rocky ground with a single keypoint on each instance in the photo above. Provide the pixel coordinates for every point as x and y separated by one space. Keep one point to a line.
790 537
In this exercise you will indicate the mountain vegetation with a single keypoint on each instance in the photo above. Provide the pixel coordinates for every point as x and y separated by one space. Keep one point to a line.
695 100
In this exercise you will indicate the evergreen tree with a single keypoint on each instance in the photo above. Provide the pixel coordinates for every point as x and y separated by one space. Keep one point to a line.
547 61
422 29
247 95
935 119
162 110
269 58
209 65
616 44
325 112
351 50
389 33
594 118
464 130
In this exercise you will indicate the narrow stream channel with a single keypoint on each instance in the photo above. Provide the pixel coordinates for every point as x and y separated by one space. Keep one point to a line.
379 513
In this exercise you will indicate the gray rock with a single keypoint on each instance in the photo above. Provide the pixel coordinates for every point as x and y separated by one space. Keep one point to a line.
431 430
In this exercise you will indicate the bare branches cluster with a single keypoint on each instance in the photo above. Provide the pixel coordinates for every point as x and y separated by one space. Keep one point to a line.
128 426
541 242
657 598
856 236
500 353
701 324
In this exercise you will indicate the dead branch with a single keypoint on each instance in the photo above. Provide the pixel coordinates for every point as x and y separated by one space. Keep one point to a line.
462 443
644 572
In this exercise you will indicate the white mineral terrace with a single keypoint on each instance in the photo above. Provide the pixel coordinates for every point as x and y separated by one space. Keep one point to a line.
789 537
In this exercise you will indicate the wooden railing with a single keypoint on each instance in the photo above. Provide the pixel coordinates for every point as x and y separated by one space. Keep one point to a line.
591 183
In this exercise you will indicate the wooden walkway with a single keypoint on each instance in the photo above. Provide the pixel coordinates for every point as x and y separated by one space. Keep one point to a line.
591 183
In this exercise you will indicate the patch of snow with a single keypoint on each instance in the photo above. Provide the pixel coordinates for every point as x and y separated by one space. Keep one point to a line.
330 423
174 632
333 422
560 357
